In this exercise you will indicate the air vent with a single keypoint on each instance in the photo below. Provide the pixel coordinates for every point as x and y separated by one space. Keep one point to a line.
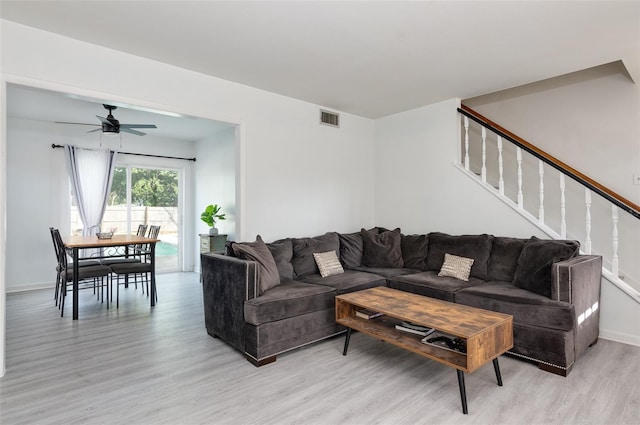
329 118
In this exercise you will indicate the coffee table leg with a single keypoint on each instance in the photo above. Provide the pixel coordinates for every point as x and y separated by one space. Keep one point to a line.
463 391
346 342
496 367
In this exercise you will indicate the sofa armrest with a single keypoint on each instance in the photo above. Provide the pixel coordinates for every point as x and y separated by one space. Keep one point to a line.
227 282
577 281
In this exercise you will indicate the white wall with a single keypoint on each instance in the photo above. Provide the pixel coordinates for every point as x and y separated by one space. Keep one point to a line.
215 183
3 224
304 178
417 185
418 189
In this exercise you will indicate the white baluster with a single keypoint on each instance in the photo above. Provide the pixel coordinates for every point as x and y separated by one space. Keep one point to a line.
563 221
466 143
484 155
614 257
541 187
587 204
500 168
519 159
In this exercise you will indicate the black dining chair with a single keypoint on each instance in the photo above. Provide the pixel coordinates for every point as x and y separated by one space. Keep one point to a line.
88 272
140 269
81 263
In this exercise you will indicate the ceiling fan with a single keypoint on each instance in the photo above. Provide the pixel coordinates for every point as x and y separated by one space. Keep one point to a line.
110 125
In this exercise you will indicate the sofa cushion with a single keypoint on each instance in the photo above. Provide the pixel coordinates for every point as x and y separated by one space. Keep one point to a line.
382 249
257 251
282 251
431 285
504 258
387 272
454 266
414 251
477 247
534 263
303 249
525 306
289 299
348 281
351 249
328 263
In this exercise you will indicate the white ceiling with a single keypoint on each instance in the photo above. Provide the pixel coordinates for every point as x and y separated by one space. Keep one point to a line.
370 58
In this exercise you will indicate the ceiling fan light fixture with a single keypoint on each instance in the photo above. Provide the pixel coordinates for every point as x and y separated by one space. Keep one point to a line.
110 132
110 129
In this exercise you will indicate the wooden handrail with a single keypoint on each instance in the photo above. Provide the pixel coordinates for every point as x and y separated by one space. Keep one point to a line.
603 191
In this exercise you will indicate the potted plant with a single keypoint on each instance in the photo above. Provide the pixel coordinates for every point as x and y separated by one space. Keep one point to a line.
210 214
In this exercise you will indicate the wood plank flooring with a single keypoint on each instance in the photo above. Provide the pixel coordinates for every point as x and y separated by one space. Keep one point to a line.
135 365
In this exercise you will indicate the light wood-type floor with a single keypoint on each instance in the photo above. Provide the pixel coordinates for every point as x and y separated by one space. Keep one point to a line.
140 366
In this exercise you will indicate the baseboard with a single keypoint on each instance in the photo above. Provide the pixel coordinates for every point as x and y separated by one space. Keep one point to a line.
620 337
31 287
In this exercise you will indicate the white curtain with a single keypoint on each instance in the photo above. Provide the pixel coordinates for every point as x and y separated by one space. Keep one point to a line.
91 174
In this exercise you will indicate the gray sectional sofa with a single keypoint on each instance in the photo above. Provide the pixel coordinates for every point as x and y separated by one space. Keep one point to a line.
268 298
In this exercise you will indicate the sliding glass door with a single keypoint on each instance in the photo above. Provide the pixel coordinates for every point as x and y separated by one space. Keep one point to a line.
148 196
144 195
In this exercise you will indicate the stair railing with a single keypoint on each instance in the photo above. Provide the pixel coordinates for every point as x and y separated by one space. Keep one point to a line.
478 164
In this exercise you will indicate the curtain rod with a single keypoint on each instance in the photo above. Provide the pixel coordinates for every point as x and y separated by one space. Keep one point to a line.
54 146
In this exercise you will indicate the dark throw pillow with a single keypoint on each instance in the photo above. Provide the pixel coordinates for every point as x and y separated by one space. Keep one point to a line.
351 249
257 251
382 250
303 248
534 264
228 248
414 251
504 258
282 251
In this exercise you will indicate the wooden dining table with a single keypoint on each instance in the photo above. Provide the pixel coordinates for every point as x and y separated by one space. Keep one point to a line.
76 242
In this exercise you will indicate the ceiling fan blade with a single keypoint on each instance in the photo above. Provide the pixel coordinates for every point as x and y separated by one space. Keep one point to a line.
104 120
93 131
76 123
128 130
137 126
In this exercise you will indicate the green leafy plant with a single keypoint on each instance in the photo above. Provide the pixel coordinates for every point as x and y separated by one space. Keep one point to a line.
211 214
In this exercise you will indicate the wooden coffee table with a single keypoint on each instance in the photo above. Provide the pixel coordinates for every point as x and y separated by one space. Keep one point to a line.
487 334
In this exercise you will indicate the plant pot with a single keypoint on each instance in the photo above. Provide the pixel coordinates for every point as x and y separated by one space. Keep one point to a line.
213 231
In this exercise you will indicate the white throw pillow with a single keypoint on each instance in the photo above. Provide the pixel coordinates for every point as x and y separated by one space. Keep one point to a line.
458 267
328 263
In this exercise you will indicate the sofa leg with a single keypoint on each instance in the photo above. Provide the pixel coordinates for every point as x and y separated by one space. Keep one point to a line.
593 343
262 362
554 369
212 334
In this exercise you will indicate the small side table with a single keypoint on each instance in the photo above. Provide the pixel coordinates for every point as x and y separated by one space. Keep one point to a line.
212 243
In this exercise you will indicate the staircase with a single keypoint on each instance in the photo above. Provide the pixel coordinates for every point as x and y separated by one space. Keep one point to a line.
559 200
